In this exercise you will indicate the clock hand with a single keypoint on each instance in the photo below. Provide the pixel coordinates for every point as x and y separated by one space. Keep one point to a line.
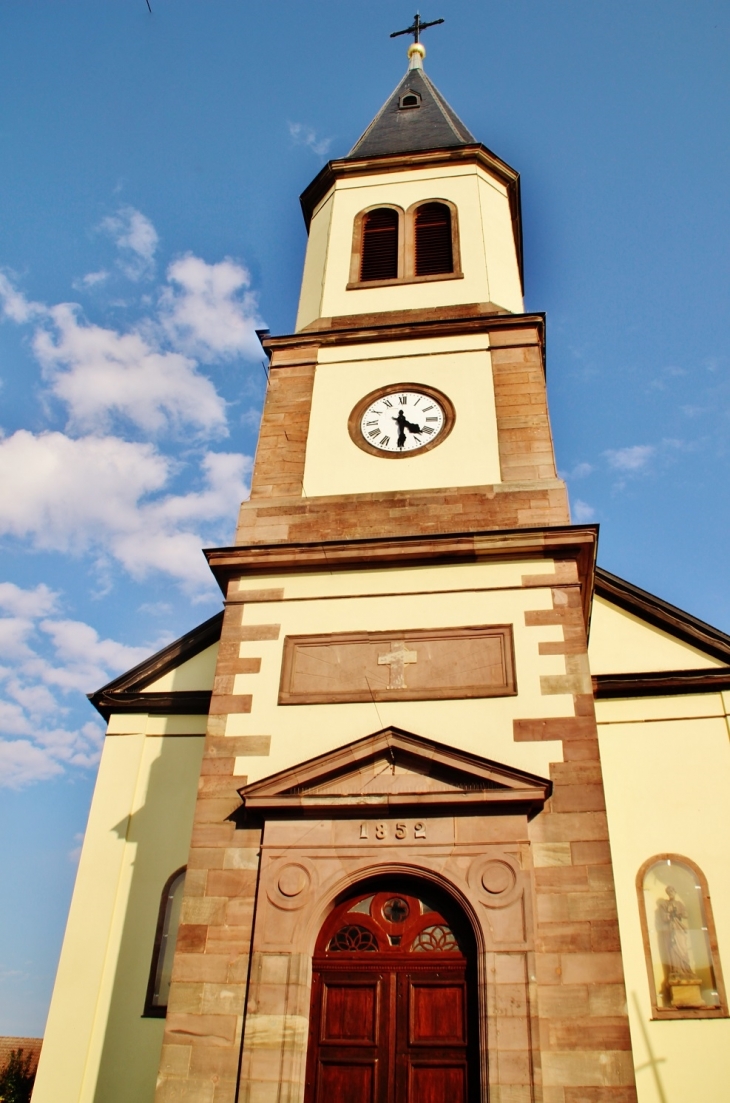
403 425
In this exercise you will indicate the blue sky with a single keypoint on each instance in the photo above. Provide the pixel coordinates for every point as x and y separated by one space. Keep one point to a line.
150 168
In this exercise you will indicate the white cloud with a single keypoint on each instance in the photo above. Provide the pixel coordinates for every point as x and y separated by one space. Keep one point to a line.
55 661
52 662
15 306
23 762
581 471
630 459
75 853
137 240
103 495
81 659
48 753
38 602
91 279
99 372
148 375
582 511
209 310
306 136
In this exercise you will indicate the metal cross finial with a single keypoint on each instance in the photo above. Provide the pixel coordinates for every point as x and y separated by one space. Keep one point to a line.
416 27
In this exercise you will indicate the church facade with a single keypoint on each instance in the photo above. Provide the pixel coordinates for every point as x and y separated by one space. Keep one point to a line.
435 809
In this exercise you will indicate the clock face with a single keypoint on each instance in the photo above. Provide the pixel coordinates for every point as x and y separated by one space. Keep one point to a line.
402 421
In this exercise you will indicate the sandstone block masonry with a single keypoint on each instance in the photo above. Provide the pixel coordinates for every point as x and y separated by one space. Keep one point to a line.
530 495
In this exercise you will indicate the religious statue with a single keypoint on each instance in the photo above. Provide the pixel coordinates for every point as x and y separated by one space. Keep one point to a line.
674 915
683 984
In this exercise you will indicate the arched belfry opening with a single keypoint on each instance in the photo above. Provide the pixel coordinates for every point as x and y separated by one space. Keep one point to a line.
394 1006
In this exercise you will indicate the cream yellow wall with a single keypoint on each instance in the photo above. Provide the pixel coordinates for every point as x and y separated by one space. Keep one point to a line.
459 367
97 1047
488 253
667 783
310 301
196 673
427 597
622 643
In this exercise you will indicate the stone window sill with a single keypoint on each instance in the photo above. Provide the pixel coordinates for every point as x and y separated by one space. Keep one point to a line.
360 285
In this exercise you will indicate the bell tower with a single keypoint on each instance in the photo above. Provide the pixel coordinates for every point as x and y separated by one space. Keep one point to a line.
402 721
412 286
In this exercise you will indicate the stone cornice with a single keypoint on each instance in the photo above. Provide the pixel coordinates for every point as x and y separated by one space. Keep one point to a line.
357 329
578 543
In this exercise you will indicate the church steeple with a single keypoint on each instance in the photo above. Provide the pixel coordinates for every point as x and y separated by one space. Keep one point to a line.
416 116
415 156
411 305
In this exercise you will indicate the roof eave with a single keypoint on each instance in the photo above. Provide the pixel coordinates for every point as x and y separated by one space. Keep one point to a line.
124 693
661 614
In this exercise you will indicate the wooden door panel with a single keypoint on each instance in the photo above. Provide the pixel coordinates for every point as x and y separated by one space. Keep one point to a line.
350 1011
391 1009
437 1012
437 1083
346 1082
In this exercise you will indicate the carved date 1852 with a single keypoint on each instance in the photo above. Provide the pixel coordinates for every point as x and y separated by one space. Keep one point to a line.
382 831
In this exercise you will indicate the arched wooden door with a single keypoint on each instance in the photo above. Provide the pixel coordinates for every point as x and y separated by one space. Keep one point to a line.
393 1000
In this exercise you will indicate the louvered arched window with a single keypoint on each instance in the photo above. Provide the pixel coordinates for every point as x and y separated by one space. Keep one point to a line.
379 256
434 245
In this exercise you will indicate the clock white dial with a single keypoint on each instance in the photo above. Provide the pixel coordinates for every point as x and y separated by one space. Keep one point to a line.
402 421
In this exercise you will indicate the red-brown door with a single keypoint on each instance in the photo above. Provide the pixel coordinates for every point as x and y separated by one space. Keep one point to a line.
390 1019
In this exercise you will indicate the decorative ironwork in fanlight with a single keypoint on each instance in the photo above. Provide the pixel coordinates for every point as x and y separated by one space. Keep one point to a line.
396 910
353 938
438 939
389 924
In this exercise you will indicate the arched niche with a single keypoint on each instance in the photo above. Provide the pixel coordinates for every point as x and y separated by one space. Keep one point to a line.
680 941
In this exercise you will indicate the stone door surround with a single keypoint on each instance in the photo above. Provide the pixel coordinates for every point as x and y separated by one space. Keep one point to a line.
398 806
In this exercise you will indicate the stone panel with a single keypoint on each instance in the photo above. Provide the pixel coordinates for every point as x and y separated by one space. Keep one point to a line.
415 665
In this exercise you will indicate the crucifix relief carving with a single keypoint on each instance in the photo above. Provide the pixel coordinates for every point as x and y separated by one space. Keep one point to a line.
443 663
397 660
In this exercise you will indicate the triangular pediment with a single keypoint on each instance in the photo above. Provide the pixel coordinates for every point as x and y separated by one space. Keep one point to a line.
395 769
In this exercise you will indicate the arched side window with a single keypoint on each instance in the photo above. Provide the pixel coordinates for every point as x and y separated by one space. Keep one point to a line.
434 253
168 922
680 943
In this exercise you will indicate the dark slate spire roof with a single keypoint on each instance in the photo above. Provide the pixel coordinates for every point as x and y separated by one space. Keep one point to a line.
397 129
